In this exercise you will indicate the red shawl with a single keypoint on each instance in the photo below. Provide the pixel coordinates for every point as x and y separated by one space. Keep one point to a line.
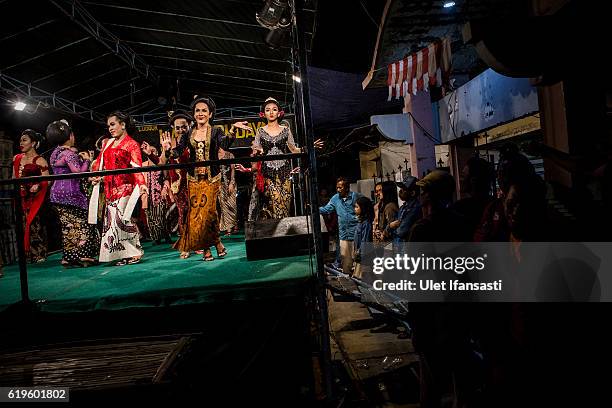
31 202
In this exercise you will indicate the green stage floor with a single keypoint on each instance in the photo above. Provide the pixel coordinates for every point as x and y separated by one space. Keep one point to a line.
161 279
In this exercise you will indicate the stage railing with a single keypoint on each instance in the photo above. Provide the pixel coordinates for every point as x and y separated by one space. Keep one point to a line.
17 205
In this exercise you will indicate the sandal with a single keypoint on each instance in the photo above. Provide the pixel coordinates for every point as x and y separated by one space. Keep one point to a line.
184 255
87 262
134 261
208 256
222 253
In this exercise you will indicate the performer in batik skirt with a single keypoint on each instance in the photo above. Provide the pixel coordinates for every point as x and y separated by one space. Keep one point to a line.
120 237
203 183
26 164
275 139
80 240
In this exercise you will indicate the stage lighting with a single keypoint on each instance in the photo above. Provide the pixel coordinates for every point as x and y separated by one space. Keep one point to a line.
274 14
449 4
19 106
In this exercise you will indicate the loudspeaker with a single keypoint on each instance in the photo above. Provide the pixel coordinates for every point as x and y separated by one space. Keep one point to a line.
279 238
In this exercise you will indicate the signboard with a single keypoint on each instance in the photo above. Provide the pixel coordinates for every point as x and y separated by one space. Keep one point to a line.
508 130
150 134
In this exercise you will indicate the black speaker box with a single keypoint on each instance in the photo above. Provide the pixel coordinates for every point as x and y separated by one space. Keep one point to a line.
283 237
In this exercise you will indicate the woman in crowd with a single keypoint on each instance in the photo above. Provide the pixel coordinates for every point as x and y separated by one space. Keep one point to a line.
120 238
80 240
364 210
387 212
175 185
26 164
274 139
203 183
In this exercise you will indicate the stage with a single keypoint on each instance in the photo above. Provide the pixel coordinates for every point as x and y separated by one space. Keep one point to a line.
162 279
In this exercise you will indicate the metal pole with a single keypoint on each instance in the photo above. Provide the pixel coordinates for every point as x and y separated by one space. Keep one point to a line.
304 114
21 253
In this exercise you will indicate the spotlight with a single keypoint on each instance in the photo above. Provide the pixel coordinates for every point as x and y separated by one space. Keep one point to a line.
273 14
297 78
449 4
19 106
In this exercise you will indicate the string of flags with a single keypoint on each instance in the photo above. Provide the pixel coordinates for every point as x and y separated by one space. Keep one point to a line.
420 70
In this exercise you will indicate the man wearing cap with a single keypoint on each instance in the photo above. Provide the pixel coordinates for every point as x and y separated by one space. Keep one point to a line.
439 223
343 204
408 213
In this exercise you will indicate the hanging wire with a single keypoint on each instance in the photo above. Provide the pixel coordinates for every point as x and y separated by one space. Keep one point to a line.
368 14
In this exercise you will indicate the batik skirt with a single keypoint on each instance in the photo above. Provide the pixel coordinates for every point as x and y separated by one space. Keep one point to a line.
202 228
277 198
120 238
79 238
38 241
157 220
227 203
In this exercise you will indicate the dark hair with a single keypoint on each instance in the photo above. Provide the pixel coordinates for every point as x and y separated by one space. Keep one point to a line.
34 136
481 174
389 192
513 166
367 209
212 107
268 102
125 119
343 180
58 132
179 114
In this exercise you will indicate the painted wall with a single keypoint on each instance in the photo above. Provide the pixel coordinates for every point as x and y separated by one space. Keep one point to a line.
424 146
486 101
394 126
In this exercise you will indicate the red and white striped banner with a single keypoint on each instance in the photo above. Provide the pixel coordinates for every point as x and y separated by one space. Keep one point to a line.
417 72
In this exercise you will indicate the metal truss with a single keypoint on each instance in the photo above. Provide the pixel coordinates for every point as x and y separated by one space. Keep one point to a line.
33 94
160 117
77 13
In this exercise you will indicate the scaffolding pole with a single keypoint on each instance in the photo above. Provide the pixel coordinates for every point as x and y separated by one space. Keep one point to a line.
304 122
